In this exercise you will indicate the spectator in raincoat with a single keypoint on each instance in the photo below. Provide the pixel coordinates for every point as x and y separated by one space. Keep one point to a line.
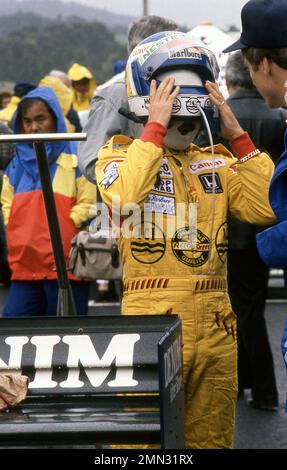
83 85
34 288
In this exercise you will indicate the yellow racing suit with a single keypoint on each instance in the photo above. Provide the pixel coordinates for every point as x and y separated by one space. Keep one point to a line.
166 271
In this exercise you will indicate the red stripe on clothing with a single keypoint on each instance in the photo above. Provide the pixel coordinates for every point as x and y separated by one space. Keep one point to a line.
242 145
154 132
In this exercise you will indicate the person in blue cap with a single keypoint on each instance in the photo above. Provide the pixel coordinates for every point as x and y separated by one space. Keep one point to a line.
263 42
119 66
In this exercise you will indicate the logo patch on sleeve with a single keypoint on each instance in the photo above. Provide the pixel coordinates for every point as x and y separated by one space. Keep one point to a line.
112 165
206 181
110 177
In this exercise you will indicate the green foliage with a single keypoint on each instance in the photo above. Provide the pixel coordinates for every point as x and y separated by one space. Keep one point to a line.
31 52
21 20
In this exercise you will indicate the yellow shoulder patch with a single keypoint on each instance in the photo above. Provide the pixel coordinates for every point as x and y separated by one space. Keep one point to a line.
68 161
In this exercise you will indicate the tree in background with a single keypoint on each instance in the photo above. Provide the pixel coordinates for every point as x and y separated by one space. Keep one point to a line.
35 51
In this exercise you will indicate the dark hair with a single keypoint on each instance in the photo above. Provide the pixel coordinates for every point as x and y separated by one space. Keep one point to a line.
145 26
236 72
27 103
255 56
4 94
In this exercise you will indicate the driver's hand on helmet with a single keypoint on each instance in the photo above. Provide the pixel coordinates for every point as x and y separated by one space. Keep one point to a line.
161 101
230 128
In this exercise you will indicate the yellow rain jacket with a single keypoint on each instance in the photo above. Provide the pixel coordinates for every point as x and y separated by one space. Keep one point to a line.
7 113
77 72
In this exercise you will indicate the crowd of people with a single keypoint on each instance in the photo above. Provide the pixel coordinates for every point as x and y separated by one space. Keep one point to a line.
193 193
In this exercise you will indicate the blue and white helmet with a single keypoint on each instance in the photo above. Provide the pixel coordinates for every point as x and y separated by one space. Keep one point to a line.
171 53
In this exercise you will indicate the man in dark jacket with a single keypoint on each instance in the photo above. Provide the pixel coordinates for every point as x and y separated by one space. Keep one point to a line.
263 42
247 274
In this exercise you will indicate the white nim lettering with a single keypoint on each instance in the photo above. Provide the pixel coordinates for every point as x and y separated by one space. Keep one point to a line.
16 344
43 360
81 350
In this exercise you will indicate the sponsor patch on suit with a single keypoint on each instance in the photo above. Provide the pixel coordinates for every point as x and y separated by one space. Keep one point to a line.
110 177
206 181
164 186
197 167
165 170
159 204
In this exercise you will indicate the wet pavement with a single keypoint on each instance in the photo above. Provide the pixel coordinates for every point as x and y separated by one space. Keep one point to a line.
259 429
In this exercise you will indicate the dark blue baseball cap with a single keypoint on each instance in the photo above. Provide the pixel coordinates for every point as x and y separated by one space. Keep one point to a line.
264 25
21 88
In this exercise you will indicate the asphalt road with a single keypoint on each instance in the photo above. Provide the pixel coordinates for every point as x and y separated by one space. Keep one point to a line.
258 429
255 429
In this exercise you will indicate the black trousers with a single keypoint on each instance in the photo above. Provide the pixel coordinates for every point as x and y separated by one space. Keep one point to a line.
247 285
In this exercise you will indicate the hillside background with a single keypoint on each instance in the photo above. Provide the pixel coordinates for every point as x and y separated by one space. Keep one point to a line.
55 8
37 36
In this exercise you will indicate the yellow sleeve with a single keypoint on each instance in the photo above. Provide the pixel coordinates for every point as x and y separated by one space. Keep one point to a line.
7 195
126 169
248 188
86 198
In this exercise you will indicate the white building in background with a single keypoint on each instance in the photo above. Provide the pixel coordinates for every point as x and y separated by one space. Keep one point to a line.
216 40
